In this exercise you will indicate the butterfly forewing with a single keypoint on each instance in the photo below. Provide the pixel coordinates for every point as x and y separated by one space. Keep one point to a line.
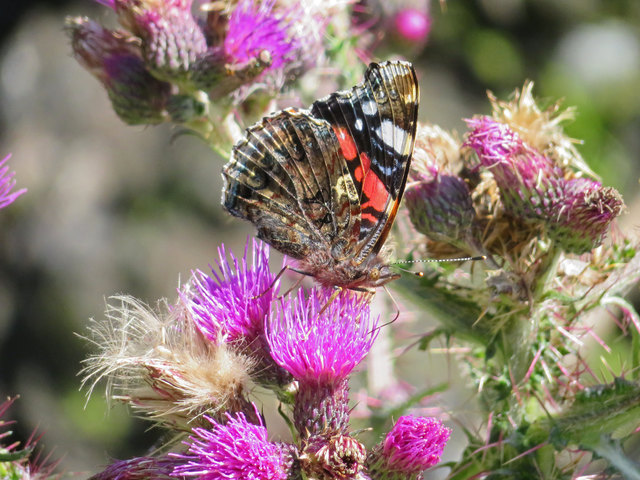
375 124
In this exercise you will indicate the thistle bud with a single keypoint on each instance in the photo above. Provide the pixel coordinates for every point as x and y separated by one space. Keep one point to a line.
411 26
114 58
440 207
582 217
171 37
331 457
215 73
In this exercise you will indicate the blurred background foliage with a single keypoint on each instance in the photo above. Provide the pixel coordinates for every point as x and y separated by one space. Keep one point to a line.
116 209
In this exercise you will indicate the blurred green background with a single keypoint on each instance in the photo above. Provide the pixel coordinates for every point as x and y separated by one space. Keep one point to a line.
115 209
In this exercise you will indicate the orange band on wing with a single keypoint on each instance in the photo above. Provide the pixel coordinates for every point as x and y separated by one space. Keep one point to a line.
373 188
347 145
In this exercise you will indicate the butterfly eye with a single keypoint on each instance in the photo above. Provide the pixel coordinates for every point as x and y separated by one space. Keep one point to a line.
374 274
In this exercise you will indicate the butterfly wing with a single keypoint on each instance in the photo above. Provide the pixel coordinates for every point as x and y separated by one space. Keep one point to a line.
288 177
375 123
328 182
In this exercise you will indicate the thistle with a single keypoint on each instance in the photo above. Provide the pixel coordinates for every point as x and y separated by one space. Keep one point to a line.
114 58
439 201
520 193
189 367
413 445
234 449
170 36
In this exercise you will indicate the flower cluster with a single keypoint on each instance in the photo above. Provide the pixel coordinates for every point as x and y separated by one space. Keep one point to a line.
516 191
169 64
192 368
461 193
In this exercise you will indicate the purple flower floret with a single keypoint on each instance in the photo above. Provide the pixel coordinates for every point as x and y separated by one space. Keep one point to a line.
414 444
236 449
7 183
253 28
235 302
321 347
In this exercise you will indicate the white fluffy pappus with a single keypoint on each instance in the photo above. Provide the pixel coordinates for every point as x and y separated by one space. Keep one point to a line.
160 364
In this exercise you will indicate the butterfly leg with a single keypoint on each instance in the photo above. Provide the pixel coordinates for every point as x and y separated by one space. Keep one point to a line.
334 295
278 276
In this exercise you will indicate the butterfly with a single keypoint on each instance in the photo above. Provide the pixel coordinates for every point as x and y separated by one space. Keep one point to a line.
323 185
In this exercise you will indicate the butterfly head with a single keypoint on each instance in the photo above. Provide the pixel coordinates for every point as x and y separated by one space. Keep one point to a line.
379 275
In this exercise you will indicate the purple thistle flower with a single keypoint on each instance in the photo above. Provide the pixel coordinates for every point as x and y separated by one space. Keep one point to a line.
253 28
583 216
303 338
235 302
7 183
320 341
236 449
141 468
413 445
529 182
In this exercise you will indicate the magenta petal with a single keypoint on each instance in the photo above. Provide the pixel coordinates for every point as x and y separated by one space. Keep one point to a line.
304 338
235 299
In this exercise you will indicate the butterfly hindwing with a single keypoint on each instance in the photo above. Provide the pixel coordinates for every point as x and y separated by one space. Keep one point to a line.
288 178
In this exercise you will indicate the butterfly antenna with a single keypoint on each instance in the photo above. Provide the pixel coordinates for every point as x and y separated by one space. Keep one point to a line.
441 260
433 260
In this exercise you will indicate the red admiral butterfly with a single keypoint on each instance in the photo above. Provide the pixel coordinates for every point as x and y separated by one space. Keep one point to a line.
323 185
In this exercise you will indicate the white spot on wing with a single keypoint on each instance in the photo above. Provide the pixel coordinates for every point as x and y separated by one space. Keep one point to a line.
358 124
369 107
392 135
